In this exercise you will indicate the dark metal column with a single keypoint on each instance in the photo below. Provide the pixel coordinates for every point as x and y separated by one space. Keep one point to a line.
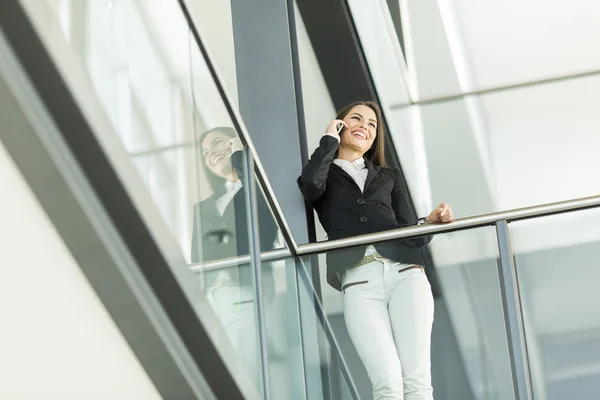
267 99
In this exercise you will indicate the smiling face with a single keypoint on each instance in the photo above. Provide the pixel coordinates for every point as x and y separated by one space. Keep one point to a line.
216 153
362 128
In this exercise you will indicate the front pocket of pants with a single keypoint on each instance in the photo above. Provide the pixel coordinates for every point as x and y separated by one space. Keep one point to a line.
409 268
347 285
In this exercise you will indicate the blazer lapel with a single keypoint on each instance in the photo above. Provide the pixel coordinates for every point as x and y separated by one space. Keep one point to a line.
341 171
373 170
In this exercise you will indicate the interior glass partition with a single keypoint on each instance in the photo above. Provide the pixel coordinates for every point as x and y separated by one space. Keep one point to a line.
157 91
557 260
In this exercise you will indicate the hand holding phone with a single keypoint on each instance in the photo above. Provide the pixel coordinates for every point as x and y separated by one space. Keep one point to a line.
335 127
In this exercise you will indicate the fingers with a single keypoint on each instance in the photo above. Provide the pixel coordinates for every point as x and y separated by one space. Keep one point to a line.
235 144
340 121
332 129
444 212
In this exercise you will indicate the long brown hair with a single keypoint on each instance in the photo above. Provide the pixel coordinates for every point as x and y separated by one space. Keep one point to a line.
376 154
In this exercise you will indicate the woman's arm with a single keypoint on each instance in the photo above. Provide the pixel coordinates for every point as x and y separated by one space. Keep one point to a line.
314 174
237 157
402 206
237 163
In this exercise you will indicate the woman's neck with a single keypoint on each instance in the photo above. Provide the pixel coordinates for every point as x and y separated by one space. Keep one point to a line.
232 176
347 154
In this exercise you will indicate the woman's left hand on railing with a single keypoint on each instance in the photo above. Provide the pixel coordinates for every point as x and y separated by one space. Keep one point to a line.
443 214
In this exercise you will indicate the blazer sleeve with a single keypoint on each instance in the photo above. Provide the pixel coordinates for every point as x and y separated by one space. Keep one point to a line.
237 162
312 182
267 226
402 205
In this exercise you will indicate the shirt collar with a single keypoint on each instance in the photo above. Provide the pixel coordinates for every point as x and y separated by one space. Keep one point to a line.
229 186
358 163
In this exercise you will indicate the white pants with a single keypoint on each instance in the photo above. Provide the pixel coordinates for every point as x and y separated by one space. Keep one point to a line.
235 308
389 315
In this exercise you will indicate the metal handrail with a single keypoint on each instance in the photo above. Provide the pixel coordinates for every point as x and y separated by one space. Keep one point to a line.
272 255
457 225
413 232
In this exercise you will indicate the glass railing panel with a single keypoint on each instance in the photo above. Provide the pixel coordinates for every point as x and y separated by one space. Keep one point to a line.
282 335
557 260
155 87
325 365
466 265
147 72
381 299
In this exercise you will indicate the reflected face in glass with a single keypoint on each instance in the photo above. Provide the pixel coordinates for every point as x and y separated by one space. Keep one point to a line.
362 128
216 151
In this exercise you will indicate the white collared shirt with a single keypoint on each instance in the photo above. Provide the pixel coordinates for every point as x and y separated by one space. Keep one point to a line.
358 171
231 189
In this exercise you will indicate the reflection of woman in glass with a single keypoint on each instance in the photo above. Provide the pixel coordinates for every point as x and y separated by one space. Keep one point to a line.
221 231
388 305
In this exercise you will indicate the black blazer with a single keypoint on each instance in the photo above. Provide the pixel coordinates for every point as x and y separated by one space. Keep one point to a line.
209 224
345 211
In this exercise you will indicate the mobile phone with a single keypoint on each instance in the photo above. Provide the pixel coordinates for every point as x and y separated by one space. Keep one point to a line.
339 127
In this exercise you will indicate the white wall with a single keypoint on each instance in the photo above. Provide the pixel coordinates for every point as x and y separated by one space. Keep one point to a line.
57 340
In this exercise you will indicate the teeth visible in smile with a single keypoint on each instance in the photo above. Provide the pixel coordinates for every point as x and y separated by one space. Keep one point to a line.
216 159
360 134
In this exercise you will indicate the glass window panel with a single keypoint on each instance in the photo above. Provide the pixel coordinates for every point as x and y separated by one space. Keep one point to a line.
557 260
514 148
466 45
382 49
431 59
514 41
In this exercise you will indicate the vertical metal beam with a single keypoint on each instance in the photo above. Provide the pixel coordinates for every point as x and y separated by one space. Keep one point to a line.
254 237
513 318
267 99
304 152
395 13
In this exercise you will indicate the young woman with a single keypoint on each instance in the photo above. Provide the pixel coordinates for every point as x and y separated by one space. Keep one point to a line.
220 230
388 305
